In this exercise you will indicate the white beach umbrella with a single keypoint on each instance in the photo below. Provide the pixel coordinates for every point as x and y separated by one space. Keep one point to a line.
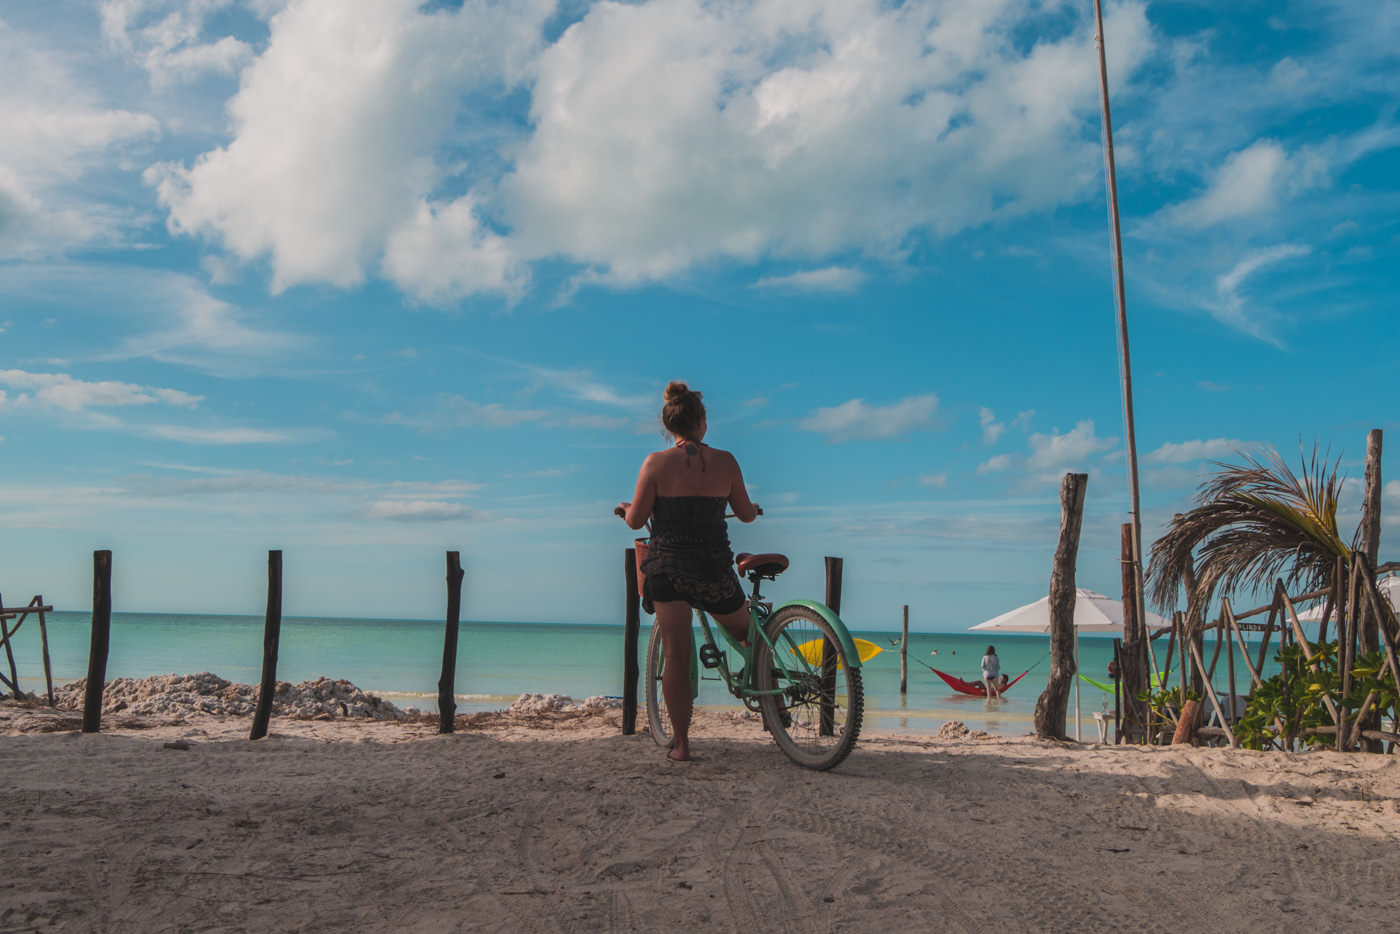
1389 586
1093 612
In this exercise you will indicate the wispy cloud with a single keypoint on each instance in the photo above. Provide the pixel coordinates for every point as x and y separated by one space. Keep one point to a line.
62 391
830 279
1184 452
419 510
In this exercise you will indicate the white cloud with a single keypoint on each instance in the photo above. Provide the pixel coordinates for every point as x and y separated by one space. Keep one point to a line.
1072 449
56 133
163 36
857 421
991 428
830 279
935 480
673 132
1252 181
662 134
994 464
62 391
418 510
336 126
1185 452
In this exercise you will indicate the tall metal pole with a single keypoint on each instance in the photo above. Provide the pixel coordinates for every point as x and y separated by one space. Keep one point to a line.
1125 367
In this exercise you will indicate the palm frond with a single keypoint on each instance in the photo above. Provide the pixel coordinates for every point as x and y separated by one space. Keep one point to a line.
1252 523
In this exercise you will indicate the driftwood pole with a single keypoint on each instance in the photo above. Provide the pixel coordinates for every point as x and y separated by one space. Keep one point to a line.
13 681
1050 708
1134 650
272 636
826 726
904 655
631 635
1370 543
101 640
44 647
447 681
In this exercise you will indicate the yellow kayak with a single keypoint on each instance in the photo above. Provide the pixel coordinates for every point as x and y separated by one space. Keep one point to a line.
811 651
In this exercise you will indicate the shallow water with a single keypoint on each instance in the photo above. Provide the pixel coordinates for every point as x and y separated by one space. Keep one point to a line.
497 661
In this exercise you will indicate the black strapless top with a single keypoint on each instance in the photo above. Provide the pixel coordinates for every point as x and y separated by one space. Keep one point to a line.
689 540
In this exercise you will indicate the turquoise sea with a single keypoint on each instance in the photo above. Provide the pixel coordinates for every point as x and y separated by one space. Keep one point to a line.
497 661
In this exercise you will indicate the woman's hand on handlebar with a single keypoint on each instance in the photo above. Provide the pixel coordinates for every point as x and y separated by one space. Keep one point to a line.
620 510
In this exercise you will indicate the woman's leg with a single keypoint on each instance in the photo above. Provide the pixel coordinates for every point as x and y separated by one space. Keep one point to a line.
736 623
677 643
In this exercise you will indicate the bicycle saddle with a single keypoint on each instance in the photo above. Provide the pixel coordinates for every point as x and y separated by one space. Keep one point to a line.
769 565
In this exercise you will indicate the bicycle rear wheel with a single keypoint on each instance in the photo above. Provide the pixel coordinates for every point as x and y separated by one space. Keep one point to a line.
814 714
657 716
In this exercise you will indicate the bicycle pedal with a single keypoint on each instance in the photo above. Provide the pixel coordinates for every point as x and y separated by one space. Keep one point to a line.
710 656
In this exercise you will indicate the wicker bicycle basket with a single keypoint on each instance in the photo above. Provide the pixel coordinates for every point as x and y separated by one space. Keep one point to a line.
640 545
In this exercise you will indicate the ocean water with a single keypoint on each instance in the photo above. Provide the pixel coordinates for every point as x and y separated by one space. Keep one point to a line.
497 661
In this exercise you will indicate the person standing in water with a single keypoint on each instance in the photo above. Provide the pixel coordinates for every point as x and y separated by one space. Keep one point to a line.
991 672
684 490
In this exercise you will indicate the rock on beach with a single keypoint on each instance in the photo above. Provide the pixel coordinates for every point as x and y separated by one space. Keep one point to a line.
207 693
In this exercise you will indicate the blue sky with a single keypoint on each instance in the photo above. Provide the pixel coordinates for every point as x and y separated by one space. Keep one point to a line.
368 280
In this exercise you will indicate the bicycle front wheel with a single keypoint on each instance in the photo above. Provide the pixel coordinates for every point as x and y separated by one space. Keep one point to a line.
812 700
657 715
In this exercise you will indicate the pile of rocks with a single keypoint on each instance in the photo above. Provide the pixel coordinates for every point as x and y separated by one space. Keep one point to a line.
548 703
956 729
168 696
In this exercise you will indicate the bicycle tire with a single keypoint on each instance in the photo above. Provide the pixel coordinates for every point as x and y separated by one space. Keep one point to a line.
657 715
797 725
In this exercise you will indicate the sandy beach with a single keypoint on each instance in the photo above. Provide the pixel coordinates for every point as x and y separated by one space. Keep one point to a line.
557 822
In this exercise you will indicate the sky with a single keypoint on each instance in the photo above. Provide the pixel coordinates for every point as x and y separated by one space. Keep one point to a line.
367 281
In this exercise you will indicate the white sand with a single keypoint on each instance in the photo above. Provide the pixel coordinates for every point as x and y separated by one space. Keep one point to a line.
556 822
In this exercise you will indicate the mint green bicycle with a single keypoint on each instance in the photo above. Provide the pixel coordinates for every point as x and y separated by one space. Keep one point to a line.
800 671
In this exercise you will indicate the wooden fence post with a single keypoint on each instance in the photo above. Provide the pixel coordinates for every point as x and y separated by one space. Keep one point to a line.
447 681
631 633
100 642
44 647
904 655
827 718
12 682
1051 708
272 637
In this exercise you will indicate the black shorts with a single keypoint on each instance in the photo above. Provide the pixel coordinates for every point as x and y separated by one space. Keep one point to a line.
659 589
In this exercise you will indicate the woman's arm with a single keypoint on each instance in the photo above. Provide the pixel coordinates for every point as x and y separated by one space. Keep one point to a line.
744 509
637 512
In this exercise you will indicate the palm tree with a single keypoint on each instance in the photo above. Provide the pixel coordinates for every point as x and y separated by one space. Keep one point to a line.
1253 523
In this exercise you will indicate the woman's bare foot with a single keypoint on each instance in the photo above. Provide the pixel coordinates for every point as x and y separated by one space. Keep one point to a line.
679 752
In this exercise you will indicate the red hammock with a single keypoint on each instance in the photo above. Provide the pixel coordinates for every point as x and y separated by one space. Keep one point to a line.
975 688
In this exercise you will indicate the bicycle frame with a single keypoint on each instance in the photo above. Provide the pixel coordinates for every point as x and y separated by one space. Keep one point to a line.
759 611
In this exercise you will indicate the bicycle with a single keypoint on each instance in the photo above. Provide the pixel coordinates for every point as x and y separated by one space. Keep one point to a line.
799 670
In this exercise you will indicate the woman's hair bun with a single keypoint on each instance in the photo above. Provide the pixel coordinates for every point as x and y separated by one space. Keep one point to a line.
676 392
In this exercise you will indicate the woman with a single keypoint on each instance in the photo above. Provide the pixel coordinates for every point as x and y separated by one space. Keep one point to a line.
991 672
684 491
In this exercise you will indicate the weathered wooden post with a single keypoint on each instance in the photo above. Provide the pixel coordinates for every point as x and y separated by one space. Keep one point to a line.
1051 707
827 719
904 655
100 642
1132 669
272 636
447 681
632 628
